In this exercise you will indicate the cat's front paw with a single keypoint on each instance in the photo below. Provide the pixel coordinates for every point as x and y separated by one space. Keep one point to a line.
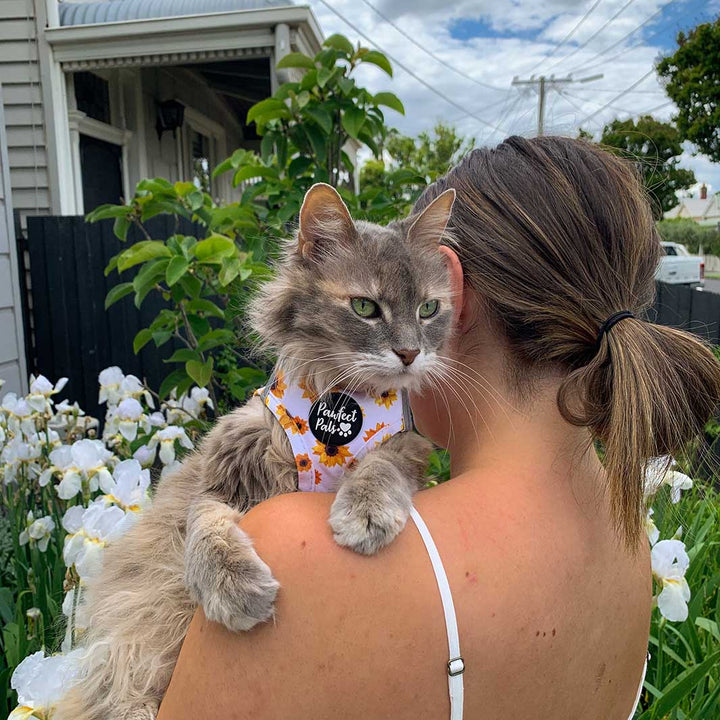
235 587
367 521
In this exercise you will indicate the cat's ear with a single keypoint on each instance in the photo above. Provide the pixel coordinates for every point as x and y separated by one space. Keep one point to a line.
429 227
324 221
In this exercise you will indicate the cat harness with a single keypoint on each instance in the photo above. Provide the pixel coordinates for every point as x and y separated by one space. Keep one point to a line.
329 434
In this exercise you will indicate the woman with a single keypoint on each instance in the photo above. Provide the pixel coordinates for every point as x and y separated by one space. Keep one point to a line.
542 545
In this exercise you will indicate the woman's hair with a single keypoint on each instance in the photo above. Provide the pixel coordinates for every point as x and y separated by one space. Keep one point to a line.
556 235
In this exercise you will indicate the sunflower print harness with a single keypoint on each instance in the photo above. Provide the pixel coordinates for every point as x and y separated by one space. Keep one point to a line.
330 434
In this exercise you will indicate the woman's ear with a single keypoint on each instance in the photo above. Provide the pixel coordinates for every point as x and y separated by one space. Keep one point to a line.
457 285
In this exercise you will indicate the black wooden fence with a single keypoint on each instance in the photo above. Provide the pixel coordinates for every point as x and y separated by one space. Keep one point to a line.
689 309
70 333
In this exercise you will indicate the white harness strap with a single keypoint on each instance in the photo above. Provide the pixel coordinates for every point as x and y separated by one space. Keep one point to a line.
455 665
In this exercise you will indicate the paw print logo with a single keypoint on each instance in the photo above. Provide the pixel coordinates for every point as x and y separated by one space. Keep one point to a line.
345 429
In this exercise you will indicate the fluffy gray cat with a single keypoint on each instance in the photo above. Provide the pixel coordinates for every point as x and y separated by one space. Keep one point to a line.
353 305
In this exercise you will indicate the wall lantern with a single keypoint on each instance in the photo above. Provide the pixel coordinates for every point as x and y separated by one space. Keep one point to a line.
170 116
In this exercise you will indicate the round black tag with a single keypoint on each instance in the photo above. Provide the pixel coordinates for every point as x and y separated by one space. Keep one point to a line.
335 419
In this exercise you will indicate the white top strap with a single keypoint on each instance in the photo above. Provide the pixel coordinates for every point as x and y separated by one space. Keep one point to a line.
455 665
639 692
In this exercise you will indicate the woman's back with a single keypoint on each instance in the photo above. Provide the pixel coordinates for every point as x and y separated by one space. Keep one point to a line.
552 259
552 612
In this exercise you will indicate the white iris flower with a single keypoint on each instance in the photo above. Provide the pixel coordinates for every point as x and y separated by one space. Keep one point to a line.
84 460
126 419
166 439
670 562
651 528
128 486
110 380
90 531
37 531
41 681
41 389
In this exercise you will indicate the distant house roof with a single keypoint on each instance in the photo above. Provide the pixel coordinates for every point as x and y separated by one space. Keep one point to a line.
703 211
84 13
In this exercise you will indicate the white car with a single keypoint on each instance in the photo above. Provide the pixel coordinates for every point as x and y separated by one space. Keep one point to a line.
678 267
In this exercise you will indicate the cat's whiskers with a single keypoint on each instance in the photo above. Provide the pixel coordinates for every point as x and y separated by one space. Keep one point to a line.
293 368
462 378
349 372
455 386
479 378
438 385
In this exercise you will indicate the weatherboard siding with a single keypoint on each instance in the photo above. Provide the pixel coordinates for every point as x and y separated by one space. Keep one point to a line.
23 108
12 360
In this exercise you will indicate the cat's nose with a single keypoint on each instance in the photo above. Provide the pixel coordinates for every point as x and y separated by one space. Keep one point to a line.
407 356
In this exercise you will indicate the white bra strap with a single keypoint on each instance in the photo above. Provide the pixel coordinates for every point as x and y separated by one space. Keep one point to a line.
455 665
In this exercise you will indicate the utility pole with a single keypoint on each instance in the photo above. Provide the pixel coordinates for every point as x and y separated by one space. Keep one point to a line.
544 84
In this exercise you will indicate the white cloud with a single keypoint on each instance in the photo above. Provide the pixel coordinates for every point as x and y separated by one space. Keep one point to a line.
516 35
705 171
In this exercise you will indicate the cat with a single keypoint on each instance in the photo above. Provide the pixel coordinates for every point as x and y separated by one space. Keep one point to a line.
352 305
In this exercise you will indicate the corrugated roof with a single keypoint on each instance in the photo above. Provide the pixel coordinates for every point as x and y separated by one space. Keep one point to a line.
75 13
695 208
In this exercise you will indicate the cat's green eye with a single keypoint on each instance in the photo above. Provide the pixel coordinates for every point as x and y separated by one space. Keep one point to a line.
365 308
428 309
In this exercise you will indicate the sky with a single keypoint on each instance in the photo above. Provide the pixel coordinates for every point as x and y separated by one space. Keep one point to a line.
479 46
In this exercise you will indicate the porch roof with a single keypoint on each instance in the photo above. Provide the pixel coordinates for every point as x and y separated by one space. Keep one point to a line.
84 13
179 38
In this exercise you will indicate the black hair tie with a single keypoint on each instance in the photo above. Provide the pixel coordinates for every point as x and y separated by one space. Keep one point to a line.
611 322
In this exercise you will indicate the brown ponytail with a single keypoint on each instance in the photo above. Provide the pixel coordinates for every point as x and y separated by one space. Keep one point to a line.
557 235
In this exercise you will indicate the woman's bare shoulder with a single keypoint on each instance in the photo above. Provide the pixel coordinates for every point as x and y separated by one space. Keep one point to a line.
333 608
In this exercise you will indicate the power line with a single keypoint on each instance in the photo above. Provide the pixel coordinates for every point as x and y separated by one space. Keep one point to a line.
433 89
566 38
570 97
593 36
510 109
435 57
617 97
617 90
457 118
631 113
584 66
544 84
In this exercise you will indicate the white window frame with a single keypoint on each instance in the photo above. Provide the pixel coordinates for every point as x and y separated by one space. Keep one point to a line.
80 124
195 120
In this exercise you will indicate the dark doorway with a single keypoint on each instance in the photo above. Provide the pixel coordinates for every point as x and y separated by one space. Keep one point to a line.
101 164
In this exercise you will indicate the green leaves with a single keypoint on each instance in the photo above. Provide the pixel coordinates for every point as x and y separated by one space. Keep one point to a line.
141 340
389 100
142 252
680 688
201 277
377 58
341 43
117 293
691 78
214 249
352 120
176 268
294 60
200 372
267 110
108 211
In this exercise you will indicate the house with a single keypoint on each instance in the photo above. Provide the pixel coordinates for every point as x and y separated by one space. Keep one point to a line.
703 210
12 353
97 95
